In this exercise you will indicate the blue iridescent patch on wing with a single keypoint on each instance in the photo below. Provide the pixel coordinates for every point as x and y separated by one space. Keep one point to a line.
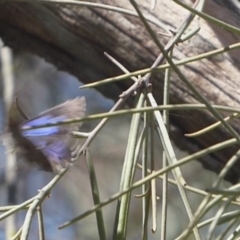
57 151
42 131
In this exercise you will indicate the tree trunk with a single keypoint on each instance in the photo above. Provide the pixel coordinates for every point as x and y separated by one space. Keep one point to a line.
74 38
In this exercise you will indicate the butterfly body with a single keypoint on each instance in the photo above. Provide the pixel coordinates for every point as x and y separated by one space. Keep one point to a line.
49 147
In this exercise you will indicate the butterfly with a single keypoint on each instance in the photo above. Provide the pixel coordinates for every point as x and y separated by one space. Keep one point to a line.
51 148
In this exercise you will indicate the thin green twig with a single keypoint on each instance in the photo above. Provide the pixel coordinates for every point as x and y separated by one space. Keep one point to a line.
44 192
180 162
96 196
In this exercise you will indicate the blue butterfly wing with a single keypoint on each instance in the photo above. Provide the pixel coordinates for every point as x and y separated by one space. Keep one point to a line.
71 109
43 131
56 149
55 142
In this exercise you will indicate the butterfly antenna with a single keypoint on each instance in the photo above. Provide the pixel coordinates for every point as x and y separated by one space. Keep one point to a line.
20 109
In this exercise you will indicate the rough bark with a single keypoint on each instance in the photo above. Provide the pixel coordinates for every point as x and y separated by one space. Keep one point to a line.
74 38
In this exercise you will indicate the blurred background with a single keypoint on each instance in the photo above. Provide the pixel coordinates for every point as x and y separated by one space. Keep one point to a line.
38 86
